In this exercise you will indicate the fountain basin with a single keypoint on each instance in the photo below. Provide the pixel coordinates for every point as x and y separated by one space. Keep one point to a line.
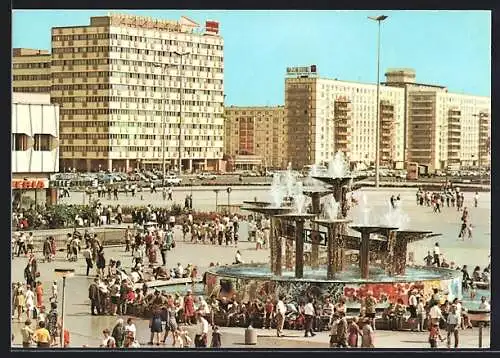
251 281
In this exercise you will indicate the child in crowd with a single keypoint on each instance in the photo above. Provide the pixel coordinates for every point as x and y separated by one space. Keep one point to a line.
434 335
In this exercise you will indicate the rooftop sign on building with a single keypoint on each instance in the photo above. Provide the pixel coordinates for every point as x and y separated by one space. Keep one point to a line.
212 27
302 71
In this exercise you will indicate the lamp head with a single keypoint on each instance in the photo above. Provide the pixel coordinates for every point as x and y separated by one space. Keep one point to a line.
378 18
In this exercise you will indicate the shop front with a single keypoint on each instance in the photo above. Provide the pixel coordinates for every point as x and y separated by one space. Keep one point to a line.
29 190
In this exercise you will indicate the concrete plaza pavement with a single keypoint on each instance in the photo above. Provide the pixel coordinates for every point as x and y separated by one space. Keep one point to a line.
447 223
86 329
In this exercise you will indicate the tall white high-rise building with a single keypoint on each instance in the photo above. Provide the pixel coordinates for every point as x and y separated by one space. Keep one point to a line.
119 79
327 115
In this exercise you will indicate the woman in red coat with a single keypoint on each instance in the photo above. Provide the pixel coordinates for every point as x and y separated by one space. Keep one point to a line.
189 308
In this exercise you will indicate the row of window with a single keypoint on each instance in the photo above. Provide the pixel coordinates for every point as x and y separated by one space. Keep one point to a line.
141 39
81 124
123 62
107 99
130 112
81 148
31 77
58 50
105 149
120 87
31 65
108 136
147 76
31 89
119 49
83 87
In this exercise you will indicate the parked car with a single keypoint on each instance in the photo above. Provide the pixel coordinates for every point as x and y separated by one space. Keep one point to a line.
208 176
172 180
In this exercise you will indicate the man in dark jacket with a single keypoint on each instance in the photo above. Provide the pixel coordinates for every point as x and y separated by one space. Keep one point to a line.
94 296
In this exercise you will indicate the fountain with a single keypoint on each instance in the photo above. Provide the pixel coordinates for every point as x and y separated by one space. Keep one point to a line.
385 237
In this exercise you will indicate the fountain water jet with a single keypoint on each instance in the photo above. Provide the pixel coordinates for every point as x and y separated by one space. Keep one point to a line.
337 167
331 208
340 279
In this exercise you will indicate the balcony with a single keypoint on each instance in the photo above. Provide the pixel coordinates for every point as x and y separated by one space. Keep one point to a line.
342 124
342 141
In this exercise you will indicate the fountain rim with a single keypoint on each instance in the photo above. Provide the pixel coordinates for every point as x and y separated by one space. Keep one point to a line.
334 221
454 274
373 227
266 210
295 216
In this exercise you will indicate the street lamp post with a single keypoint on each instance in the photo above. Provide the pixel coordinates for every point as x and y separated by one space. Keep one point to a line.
163 120
379 19
181 55
216 191
480 116
191 180
229 199
64 273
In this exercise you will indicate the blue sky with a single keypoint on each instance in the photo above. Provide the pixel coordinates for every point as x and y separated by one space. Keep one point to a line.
450 48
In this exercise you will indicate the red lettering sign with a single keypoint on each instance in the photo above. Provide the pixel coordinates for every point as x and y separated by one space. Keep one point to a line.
28 184
212 26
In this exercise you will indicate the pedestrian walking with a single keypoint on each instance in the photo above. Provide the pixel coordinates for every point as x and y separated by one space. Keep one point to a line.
309 314
434 335
367 339
342 331
216 338
156 328
27 334
280 316
201 337
42 336
87 255
118 333
354 333
95 298
369 304
452 325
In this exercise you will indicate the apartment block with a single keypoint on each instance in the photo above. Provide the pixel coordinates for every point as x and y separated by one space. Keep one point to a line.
256 137
133 90
327 115
31 70
443 130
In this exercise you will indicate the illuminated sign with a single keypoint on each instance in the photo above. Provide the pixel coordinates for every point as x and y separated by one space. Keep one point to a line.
301 70
30 183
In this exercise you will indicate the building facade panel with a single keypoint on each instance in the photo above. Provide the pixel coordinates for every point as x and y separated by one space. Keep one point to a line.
257 132
35 140
31 71
355 124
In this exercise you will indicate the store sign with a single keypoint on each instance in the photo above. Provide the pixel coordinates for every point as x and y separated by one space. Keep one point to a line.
30 183
302 70
212 26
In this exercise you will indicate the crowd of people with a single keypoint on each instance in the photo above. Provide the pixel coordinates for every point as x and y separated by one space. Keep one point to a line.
42 326
449 195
